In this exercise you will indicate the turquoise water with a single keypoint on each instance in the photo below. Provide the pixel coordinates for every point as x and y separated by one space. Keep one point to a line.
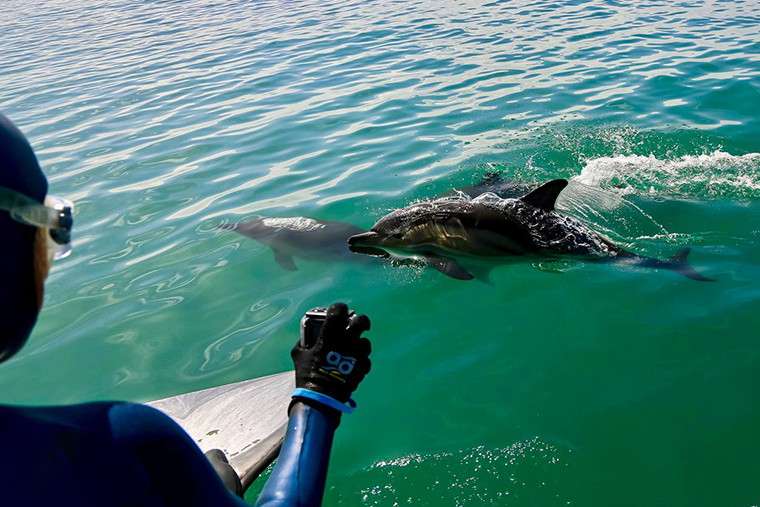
599 385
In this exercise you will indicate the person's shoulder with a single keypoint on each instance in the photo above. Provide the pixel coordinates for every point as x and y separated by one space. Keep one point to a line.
110 420
70 446
31 417
98 423
128 418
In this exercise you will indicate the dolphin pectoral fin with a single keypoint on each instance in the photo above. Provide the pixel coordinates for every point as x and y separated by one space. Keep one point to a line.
285 261
449 267
546 195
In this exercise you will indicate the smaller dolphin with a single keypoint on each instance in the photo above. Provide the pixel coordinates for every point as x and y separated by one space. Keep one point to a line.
306 238
491 227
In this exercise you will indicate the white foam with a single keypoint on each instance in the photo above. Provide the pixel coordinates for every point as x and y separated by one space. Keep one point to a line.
488 197
717 174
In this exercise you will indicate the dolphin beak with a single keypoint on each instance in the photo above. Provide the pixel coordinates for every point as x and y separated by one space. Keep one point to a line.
369 250
365 238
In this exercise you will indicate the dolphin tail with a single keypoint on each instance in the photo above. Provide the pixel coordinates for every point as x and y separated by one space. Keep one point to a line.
680 265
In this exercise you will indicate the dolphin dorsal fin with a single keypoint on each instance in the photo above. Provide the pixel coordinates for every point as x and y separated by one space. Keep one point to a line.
546 195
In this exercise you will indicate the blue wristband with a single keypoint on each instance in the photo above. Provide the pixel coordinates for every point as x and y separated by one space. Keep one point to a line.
325 400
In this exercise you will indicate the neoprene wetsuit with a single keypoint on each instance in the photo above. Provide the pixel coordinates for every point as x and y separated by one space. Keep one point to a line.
299 475
124 454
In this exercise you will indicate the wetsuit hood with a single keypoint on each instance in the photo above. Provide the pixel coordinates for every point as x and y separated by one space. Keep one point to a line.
19 171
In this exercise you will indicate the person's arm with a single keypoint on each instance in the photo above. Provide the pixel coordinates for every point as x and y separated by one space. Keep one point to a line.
299 476
327 372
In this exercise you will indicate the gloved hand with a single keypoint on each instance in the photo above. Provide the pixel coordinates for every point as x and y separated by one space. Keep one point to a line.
339 359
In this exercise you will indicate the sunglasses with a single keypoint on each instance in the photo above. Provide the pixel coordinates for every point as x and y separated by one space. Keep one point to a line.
55 217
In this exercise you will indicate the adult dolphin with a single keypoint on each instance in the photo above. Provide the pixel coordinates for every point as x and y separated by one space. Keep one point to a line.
302 237
491 227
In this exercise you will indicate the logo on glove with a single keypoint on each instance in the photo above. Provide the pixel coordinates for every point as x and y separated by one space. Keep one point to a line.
339 365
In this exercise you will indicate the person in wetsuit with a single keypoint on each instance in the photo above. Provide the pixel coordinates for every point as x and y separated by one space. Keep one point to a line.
126 454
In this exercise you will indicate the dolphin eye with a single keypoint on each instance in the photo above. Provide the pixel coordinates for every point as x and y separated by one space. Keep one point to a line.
398 236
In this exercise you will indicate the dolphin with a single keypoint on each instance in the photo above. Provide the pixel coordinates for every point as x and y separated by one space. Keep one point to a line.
325 241
491 227
306 238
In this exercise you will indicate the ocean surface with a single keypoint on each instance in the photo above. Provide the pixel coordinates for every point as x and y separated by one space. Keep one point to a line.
574 384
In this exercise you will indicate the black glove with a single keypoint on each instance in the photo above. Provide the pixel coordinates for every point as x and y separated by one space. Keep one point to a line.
339 359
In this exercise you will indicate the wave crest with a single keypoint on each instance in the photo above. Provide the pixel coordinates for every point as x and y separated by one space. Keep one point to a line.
714 175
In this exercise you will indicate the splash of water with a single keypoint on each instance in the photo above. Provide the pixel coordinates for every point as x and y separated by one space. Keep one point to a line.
609 213
715 175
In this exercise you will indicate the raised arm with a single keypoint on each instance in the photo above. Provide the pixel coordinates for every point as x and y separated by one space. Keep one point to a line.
327 372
